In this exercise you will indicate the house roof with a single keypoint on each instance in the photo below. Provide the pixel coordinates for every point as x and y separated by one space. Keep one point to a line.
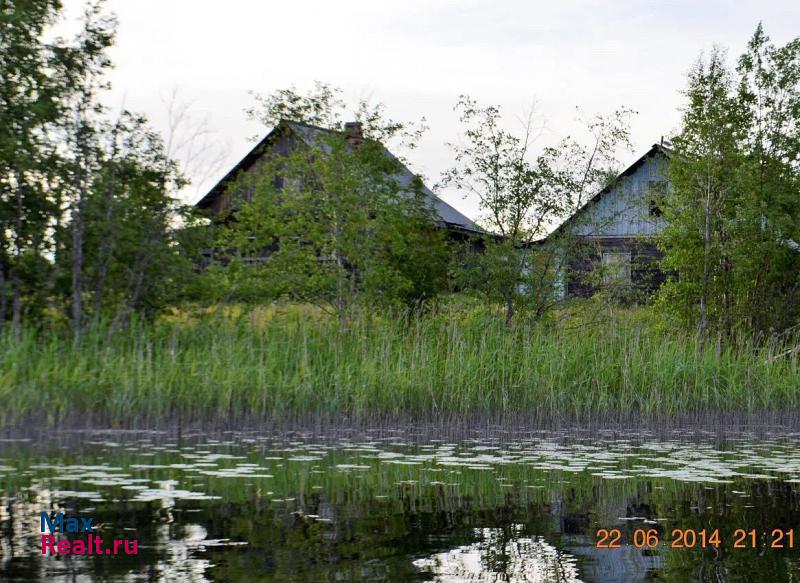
654 149
448 215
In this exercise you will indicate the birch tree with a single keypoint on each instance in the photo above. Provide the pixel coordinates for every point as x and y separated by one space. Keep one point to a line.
39 84
523 195
733 212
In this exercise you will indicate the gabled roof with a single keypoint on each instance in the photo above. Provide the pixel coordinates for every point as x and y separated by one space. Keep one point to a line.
448 215
654 149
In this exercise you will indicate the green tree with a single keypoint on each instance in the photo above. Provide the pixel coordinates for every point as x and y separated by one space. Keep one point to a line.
37 81
332 220
523 196
733 211
702 200
131 260
89 226
766 233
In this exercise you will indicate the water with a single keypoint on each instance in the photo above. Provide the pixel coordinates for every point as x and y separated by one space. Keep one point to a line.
393 506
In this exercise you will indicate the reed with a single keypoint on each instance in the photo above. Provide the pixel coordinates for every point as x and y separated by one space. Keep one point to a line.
295 364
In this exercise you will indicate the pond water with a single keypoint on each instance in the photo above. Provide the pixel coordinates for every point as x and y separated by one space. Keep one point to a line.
395 506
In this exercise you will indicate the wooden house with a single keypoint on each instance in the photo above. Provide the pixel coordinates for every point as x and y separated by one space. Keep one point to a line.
227 193
609 243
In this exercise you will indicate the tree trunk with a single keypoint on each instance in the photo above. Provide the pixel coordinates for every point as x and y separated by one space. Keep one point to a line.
16 304
3 293
136 285
702 325
124 313
79 228
341 269
341 285
104 260
16 283
77 267
509 311
107 243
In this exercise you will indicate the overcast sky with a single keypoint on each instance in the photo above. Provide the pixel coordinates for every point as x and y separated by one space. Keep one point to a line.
417 56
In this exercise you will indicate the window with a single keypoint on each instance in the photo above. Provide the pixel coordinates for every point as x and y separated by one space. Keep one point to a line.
292 184
656 189
616 268
655 210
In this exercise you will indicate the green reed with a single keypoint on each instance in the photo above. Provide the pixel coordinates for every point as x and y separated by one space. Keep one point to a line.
296 364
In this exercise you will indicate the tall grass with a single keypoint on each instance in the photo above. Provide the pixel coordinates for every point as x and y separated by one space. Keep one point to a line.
293 366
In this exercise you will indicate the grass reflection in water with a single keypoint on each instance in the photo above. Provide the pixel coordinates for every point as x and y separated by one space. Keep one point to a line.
248 507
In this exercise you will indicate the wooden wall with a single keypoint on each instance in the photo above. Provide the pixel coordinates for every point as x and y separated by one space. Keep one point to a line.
624 211
584 277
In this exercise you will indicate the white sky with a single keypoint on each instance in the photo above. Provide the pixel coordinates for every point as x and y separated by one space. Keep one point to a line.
417 56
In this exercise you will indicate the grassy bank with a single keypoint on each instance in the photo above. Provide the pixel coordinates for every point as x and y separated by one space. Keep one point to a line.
290 365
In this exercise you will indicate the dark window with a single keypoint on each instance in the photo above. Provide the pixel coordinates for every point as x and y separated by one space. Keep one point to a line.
655 210
656 189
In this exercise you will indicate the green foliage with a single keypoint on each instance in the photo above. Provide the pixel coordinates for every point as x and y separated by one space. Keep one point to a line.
297 363
733 212
131 259
89 229
506 274
37 79
523 196
328 217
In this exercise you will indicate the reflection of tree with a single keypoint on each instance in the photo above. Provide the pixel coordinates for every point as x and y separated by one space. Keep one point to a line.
501 555
306 524
166 548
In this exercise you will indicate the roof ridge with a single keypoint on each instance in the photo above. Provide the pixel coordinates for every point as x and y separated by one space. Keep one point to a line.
607 188
447 212
286 120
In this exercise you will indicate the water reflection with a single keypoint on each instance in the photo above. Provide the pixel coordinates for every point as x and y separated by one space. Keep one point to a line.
502 555
390 506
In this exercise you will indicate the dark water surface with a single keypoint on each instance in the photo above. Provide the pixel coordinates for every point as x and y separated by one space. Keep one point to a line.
392 506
